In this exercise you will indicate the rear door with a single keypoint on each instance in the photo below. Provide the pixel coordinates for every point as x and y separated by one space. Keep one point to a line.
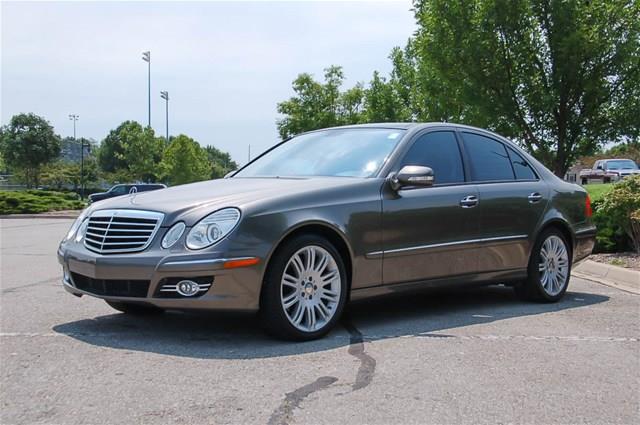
428 232
512 200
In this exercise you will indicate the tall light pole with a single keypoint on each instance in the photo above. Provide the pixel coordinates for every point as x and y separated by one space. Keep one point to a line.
74 118
146 56
165 96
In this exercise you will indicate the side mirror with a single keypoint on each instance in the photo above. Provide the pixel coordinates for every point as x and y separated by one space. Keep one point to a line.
412 175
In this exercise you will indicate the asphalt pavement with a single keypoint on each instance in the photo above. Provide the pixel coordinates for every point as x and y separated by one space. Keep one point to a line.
464 356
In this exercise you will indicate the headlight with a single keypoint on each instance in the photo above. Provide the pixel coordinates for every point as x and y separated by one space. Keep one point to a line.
76 224
82 230
173 235
212 228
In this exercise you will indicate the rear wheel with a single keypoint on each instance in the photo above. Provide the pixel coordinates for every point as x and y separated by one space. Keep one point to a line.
135 309
549 269
305 289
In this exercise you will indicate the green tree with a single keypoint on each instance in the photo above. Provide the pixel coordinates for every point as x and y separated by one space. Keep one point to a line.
132 151
319 105
560 76
185 161
221 162
111 150
27 143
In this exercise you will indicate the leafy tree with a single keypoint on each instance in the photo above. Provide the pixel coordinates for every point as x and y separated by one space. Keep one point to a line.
132 150
185 161
561 77
111 149
66 174
221 162
382 102
318 105
27 143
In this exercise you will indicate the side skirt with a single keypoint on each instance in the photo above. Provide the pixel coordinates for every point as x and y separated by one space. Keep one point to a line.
505 276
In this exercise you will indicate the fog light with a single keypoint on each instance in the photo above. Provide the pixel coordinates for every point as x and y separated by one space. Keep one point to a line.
187 288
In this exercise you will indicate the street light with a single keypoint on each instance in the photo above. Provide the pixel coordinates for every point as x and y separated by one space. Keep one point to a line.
165 96
74 118
146 56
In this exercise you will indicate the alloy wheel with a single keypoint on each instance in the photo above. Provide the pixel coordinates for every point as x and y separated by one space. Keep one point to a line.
553 265
310 288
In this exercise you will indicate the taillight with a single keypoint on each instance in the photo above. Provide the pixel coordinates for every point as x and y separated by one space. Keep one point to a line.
587 207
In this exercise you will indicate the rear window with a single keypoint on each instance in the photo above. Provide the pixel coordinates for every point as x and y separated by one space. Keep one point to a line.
521 167
489 158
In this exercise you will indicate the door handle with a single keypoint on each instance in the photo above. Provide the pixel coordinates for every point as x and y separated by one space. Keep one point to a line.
469 201
534 197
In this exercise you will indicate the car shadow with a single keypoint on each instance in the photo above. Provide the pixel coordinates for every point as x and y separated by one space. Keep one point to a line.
236 336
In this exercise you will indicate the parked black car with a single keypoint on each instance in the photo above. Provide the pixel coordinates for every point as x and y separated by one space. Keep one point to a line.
123 189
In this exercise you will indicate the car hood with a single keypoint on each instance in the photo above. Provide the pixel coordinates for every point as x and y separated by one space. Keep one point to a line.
192 201
626 171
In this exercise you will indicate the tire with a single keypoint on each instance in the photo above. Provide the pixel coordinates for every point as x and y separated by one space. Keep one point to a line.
584 181
301 302
558 266
606 180
135 309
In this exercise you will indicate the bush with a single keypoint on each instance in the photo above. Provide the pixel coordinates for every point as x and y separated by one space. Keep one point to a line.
613 216
38 201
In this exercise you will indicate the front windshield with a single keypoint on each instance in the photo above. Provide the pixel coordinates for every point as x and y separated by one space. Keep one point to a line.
625 164
354 152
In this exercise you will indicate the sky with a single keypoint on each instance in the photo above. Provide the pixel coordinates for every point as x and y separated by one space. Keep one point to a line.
225 64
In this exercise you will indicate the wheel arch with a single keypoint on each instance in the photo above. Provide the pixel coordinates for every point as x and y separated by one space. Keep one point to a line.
563 227
325 230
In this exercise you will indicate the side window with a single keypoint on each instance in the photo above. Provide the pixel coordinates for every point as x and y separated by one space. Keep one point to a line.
438 150
489 158
521 167
119 190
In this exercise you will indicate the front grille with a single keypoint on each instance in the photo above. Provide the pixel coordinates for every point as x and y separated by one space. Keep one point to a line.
121 231
111 287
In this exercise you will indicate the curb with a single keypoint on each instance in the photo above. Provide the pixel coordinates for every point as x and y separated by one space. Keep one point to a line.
609 275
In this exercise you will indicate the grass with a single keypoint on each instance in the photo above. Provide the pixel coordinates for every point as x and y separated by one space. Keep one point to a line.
38 201
597 191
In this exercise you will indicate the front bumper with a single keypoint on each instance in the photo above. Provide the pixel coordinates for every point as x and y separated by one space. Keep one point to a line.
232 289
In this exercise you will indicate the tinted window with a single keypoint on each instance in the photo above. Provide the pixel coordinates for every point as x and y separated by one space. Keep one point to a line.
489 159
521 167
119 190
439 151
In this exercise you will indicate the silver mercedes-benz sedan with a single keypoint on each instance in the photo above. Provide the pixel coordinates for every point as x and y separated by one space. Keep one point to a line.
336 215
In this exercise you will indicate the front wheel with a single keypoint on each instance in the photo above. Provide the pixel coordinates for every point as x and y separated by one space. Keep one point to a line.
549 269
305 289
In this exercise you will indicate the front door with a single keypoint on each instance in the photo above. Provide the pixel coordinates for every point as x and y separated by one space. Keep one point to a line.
428 232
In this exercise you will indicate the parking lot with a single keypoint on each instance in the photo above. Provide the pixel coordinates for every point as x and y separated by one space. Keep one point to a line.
464 356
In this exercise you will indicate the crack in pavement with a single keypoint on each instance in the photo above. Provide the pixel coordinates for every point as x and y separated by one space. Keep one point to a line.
29 285
356 348
284 413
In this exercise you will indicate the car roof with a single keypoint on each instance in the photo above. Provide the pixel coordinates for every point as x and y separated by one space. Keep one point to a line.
407 126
